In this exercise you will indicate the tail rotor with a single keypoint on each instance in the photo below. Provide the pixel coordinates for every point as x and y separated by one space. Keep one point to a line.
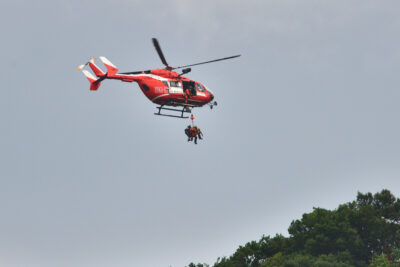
81 67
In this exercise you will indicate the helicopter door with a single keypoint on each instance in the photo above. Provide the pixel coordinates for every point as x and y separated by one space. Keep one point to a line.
191 86
175 88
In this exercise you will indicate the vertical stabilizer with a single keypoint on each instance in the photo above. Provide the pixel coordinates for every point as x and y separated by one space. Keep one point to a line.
112 70
95 68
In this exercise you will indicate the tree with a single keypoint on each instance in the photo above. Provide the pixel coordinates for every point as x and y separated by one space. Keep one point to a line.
197 265
382 261
377 221
365 232
253 253
303 260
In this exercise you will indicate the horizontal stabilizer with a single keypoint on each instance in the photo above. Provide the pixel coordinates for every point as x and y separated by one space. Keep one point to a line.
94 83
89 76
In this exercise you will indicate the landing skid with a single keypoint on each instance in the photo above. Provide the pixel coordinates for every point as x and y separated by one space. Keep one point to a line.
185 109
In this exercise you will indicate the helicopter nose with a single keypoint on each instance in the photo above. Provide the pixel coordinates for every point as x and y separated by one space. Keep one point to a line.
211 97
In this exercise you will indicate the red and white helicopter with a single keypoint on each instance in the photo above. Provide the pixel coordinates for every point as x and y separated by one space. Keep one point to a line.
164 87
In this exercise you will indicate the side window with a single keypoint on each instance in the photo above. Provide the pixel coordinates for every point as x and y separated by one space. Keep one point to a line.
200 88
165 83
145 87
175 84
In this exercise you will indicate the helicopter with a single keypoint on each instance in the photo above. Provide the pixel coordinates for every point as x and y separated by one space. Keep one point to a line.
164 87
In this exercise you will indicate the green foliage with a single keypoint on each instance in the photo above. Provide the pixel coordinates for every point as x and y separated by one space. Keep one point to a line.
277 260
365 232
396 256
324 232
377 221
370 225
251 254
382 261
301 260
198 265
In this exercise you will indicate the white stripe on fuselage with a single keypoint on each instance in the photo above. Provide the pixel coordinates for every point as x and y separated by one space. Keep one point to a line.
176 90
156 77
159 96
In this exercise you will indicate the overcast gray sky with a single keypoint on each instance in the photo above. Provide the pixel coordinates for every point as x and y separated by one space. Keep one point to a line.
307 117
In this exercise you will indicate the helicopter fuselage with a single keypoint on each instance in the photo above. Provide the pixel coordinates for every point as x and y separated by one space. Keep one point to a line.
165 87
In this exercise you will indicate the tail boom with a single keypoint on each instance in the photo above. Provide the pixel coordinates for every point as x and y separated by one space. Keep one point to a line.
111 73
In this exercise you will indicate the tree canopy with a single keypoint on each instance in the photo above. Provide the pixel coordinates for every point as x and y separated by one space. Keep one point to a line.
364 232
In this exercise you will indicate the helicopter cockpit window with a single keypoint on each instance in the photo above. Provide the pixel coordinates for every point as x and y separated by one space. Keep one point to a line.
175 84
165 83
200 88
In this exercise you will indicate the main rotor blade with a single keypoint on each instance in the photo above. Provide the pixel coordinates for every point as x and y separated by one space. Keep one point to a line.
136 72
215 60
160 53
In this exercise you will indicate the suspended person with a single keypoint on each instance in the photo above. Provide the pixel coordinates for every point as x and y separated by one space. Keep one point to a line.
196 132
199 133
193 132
189 133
